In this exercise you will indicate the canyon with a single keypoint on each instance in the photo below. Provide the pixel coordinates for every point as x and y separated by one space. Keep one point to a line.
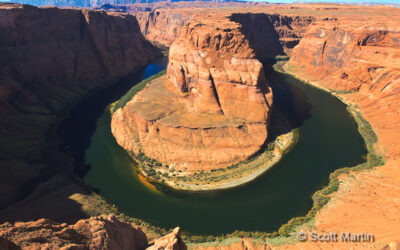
212 108
271 34
52 58
51 63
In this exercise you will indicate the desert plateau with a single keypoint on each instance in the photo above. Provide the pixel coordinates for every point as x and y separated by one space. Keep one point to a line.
199 125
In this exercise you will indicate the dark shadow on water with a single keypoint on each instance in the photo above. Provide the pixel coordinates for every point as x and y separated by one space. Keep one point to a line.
328 140
290 111
77 130
289 101
260 32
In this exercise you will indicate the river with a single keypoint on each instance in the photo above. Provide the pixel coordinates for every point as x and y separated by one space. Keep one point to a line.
328 140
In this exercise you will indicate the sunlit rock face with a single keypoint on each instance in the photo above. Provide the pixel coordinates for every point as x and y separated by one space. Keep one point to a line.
210 111
360 58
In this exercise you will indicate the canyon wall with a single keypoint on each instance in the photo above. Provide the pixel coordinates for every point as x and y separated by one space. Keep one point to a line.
361 60
163 26
91 3
358 58
50 59
212 109
270 34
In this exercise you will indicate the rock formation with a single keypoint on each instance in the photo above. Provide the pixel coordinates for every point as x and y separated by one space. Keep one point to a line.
51 58
270 34
213 108
171 241
102 232
93 3
361 60
357 56
163 26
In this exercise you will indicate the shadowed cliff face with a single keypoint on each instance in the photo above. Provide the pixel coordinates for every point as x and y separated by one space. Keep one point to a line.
270 35
349 57
50 59
215 107
214 65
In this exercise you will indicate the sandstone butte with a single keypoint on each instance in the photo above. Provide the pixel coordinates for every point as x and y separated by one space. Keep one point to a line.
353 49
210 111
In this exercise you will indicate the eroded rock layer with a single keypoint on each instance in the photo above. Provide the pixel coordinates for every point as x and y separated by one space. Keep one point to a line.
50 59
211 110
102 232
270 34
361 60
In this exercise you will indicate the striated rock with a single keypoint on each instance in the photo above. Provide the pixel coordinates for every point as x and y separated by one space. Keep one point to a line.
50 59
349 56
172 241
270 34
362 60
163 26
102 232
357 56
110 233
213 108
93 3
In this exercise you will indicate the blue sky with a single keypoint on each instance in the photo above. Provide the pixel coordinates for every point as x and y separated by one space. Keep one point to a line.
330 1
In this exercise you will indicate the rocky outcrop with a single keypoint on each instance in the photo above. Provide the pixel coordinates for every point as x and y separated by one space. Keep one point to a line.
102 232
213 108
171 241
357 58
163 26
272 35
51 58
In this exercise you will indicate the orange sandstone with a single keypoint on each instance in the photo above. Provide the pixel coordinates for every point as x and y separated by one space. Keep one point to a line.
212 109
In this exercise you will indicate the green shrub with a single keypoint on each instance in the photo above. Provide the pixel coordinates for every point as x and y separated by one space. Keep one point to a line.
138 87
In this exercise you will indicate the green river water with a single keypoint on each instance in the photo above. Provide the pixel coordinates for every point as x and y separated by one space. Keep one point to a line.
328 140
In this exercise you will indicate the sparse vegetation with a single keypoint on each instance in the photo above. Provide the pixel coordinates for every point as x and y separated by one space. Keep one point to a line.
286 233
128 96
234 175
322 197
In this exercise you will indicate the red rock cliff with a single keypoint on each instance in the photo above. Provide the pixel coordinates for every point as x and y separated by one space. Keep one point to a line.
357 57
50 58
213 108
163 26
270 34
